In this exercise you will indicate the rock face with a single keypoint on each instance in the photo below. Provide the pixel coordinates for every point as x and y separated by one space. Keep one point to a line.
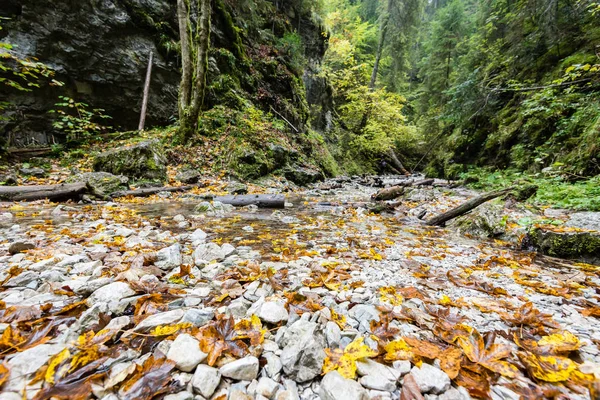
100 51
144 160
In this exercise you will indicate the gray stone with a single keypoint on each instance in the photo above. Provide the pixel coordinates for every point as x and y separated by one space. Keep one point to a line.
164 318
111 294
207 252
180 396
198 317
430 379
185 352
336 387
377 382
402 366
198 235
169 257
205 380
28 362
267 387
273 366
302 358
189 176
584 220
369 367
20 247
273 312
455 394
333 334
244 369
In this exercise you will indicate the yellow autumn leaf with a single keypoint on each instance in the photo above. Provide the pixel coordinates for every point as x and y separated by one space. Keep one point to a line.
390 295
398 350
445 301
55 363
339 319
344 361
548 368
560 342
167 330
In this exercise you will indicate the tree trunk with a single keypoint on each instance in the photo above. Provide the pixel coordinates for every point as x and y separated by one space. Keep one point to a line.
396 163
193 80
464 208
146 94
384 27
185 86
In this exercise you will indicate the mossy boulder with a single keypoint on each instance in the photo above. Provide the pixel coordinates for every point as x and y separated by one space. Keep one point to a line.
486 221
303 176
102 181
584 246
142 161
189 176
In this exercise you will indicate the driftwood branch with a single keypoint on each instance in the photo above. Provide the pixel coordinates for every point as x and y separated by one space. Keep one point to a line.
150 191
146 94
288 122
464 208
259 200
393 192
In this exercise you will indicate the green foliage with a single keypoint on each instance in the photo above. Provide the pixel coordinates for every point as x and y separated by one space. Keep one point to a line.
77 121
554 186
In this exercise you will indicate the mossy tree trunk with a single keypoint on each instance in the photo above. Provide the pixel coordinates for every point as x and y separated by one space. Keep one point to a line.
194 57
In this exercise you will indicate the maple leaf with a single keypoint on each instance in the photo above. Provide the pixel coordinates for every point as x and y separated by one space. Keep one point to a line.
389 294
344 361
548 368
150 304
74 386
450 361
554 344
301 304
381 330
168 330
423 348
339 319
476 285
478 385
530 316
149 379
220 336
251 329
488 355
399 350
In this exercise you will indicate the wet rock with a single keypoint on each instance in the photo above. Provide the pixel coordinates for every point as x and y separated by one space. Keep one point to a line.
205 380
245 369
185 352
102 182
20 247
486 221
189 176
144 160
169 257
273 312
430 379
335 387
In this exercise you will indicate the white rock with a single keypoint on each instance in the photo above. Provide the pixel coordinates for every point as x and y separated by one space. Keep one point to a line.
180 396
373 368
273 312
267 387
333 334
111 294
430 379
205 380
185 352
336 387
244 369
227 249
377 382
164 318
207 252
402 366
273 366
198 235
10 395
169 257
28 362
72 260
118 373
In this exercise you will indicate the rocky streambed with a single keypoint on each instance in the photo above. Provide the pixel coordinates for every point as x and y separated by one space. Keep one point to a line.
324 299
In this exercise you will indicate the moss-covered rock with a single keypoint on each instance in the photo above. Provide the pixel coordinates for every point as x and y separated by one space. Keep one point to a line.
584 246
486 221
102 181
144 161
303 176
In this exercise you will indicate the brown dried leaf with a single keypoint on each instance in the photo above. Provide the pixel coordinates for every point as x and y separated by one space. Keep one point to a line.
488 355
450 361
148 380
220 336
410 389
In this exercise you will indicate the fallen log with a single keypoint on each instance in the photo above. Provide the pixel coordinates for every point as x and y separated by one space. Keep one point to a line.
464 208
259 200
64 191
150 191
